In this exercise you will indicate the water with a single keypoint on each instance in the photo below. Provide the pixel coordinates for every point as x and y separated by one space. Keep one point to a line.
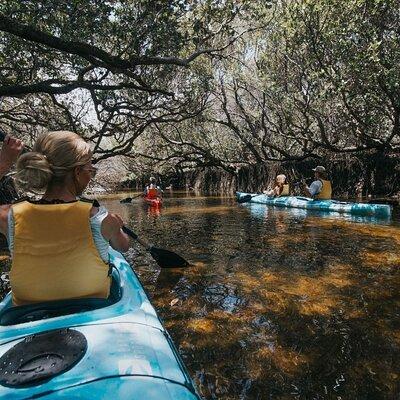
279 303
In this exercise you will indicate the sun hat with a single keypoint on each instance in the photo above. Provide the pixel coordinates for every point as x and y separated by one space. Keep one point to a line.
281 178
319 168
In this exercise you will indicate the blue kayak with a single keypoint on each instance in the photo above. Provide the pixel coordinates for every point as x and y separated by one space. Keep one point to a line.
112 348
379 210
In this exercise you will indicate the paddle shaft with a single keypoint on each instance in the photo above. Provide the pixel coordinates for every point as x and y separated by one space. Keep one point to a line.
129 199
164 258
247 198
133 235
134 197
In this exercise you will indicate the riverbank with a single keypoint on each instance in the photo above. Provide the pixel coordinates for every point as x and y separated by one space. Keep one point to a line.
351 178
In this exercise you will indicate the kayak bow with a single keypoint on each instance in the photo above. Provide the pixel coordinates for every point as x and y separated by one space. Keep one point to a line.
117 347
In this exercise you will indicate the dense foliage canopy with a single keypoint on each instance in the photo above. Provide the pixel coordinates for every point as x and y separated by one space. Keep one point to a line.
180 84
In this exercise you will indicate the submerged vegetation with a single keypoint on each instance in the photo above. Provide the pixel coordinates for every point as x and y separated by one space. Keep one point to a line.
279 304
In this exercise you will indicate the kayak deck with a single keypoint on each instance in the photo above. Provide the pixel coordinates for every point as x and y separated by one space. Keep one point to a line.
380 210
129 353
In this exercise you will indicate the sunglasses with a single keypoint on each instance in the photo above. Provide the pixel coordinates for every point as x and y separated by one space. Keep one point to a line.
92 170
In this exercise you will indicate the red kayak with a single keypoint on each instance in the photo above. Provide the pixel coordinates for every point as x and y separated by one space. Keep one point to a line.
153 202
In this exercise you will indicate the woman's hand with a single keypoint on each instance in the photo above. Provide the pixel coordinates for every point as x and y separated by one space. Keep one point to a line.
111 229
9 153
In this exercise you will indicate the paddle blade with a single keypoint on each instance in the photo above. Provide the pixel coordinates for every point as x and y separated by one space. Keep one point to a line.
129 199
244 199
167 259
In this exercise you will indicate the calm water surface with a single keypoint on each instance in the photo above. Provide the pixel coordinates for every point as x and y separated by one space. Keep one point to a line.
279 303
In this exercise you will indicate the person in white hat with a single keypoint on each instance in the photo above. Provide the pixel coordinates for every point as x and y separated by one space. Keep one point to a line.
281 187
152 191
321 187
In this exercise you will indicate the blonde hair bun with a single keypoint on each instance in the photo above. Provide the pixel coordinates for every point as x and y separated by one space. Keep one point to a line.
33 171
54 155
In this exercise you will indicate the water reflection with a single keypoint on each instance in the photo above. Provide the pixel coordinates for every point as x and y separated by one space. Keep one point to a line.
261 210
279 303
167 280
282 304
154 212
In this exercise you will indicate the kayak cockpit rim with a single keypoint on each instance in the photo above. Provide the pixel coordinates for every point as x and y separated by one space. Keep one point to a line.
16 315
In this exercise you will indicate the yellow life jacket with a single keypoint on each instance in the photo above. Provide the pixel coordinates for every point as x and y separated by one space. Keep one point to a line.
326 191
54 255
285 190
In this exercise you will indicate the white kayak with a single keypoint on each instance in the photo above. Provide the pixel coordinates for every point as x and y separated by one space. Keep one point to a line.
379 210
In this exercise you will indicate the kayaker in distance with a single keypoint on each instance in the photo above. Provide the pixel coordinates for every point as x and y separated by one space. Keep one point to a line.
152 191
321 187
281 187
59 244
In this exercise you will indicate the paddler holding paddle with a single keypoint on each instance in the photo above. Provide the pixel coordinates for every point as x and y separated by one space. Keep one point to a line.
59 244
152 191
321 187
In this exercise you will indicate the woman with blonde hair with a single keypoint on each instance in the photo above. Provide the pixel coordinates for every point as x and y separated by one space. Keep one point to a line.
281 187
59 244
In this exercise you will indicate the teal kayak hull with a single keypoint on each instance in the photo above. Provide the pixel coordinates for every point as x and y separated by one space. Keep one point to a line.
379 210
129 353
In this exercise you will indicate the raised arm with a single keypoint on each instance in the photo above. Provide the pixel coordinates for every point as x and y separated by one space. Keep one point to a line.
9 153
313 189
306 190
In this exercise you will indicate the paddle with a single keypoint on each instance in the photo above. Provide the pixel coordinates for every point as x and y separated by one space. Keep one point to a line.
129 199
247 198
164 258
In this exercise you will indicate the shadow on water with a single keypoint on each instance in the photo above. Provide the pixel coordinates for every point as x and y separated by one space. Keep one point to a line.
279 304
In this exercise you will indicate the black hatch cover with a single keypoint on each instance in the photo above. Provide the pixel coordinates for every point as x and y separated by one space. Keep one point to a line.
42 356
